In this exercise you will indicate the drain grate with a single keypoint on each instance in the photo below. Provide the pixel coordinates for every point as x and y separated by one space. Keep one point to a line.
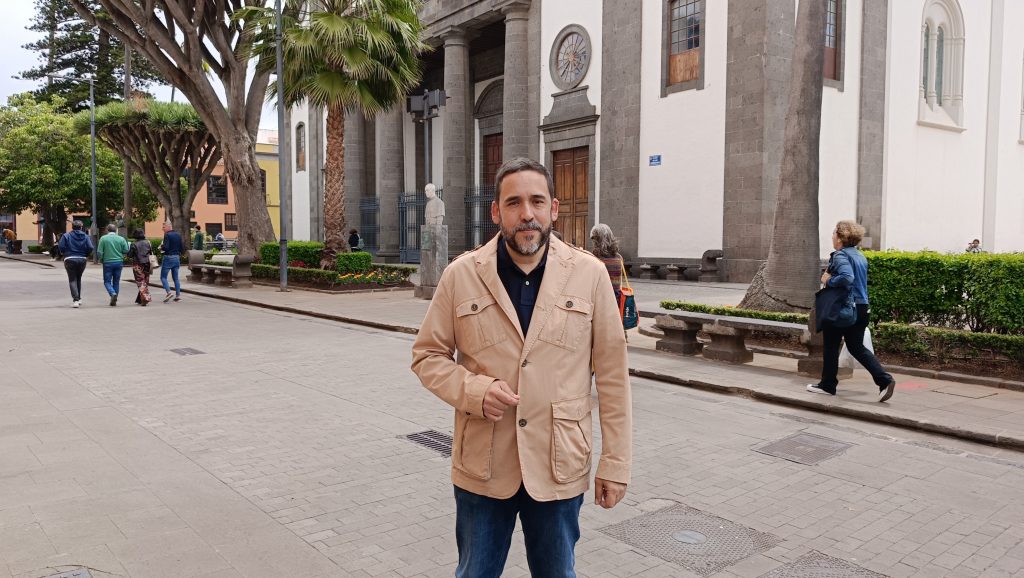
440 442
188 351
80 573
817 565
804 448
700 542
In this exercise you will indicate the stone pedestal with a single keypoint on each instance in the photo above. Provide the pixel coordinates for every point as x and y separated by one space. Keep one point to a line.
433 258
811 365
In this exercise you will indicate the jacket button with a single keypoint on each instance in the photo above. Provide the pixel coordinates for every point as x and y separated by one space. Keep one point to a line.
525 362
473 307
568 304
522 423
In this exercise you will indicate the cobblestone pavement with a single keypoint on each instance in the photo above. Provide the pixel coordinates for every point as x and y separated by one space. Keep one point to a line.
280 451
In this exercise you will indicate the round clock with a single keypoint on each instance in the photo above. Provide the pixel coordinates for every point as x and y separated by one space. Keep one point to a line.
570 57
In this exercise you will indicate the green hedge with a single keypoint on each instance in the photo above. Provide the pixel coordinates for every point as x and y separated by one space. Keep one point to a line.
358 262
734 312
982 292
36 249
261 271
931 342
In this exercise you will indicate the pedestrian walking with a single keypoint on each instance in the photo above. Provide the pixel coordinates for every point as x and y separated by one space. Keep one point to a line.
606 248
76 246
171 247
9 236
198 239
140 253
849 268
521 385
112 250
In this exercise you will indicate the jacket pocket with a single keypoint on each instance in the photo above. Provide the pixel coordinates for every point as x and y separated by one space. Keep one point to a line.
571 445
479 324
476 448
569 323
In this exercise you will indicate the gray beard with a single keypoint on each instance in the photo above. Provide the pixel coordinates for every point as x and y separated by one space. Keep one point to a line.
531 249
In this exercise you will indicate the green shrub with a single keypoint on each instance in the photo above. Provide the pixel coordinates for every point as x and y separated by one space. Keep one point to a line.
734 312
36 249
323 276
977 291
305 251
358 262
155 241
931 342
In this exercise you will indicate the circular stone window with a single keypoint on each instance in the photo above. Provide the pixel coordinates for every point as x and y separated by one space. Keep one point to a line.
570 57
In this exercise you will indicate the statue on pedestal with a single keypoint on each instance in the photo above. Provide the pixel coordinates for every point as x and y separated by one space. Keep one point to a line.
433 244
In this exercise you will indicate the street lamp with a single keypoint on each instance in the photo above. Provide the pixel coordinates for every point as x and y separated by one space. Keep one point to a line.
93 227
424 108
282 164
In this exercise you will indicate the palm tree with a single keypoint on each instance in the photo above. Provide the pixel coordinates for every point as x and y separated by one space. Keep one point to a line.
342 54
788 279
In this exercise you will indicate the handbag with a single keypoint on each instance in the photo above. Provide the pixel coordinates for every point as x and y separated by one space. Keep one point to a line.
153 263
627 302
843 310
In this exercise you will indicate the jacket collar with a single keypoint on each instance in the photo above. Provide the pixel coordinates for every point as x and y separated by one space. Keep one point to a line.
560 261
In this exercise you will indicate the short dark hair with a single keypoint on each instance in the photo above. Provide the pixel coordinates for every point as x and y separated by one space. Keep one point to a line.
518 165
198 228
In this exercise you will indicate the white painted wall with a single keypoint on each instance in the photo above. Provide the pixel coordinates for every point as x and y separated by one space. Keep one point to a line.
300 180
934 182
554 17
1009 226
681 201
840 125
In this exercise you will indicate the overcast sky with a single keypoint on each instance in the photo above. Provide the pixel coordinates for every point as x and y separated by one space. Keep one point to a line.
17 16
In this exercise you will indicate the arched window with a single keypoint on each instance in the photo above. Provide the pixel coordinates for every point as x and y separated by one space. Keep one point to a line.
942 65
300 147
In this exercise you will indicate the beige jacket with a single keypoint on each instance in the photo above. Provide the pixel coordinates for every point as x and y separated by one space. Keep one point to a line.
471 337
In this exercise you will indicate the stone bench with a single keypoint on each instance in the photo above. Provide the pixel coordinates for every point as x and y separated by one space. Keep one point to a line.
728 338
225 269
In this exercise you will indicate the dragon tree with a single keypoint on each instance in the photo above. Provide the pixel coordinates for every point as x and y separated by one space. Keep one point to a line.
166 144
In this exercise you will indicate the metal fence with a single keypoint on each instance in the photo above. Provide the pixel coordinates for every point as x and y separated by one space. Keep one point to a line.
479 227
369 225
412 209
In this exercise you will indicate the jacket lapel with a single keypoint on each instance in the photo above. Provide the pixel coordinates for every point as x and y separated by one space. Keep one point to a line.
556 276
487 269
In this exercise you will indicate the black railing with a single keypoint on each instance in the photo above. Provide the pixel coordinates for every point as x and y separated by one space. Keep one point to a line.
479 227
412 209
369 223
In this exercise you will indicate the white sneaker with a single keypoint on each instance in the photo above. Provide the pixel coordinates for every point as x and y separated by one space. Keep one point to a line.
75 304
815 388
884 393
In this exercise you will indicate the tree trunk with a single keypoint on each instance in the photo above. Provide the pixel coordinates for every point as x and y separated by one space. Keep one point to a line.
334 189
55 220
128 191
254 226
788 279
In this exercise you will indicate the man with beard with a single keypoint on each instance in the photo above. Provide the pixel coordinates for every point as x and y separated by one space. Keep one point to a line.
531 318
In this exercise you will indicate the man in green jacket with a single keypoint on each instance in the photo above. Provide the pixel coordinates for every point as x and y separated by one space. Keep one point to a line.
111 251
198 239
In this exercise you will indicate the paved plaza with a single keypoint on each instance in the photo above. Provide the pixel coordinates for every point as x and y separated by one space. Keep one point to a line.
278 448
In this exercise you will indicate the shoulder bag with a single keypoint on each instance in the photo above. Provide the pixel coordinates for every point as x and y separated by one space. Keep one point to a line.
627 302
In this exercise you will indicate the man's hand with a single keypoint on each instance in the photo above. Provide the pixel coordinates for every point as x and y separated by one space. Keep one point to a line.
824 278
608 493
498 398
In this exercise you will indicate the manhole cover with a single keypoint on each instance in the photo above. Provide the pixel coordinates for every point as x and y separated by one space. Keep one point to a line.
817 565
804 448
80 573
440 442
188 351
700 542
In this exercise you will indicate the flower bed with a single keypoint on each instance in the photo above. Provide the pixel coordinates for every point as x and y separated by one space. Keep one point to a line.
332 280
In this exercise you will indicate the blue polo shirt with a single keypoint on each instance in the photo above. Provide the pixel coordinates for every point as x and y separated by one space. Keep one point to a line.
522 288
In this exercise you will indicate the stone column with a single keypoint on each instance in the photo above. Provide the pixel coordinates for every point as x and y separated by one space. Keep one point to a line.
515 125
457 153
316 156
355 168
391 179
872 120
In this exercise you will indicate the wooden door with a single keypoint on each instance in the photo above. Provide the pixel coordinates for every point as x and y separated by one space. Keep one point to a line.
571 183
492 159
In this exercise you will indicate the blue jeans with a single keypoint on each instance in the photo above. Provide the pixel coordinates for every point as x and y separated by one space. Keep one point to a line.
112 277
170 264
483 532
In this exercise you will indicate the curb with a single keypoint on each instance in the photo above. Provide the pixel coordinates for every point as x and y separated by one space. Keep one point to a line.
24 260
995 439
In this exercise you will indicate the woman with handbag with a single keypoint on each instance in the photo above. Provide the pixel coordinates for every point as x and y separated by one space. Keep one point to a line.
606 248
143 263
847 269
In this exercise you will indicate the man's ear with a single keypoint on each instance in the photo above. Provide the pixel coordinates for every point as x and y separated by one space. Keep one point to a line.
554 210
495 214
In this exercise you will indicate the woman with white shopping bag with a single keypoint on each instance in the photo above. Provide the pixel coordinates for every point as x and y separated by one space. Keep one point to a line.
848 268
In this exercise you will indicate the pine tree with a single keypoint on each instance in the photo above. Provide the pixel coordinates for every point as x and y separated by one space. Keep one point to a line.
71 47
